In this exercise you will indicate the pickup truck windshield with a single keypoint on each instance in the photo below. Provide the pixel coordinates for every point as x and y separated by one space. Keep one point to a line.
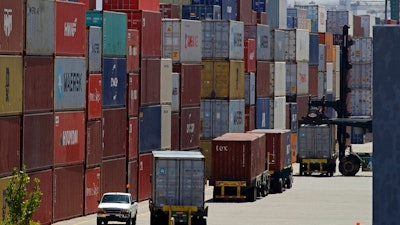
115 199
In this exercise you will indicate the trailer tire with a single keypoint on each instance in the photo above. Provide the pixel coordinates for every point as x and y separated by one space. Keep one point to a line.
349 165
279 186
251 194
289 182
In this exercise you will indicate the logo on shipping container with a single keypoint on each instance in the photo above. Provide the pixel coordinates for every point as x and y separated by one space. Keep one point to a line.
238 40
72 82
229 9
7 21
93 191
70 28
7 84
95 96
69 137
114 80
264 41
251 57
191 41
95 48
220 148
238 118
303 78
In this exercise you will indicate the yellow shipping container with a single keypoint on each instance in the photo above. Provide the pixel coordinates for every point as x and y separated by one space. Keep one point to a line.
3 207
10 85
207 79
205 148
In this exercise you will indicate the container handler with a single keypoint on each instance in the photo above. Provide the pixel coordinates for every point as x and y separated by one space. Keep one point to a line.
178 188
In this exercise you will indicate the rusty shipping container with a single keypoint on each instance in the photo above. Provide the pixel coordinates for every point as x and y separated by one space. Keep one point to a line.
12 39
190 84
175 131
11 83
263 79
38 84
238 157
190 128
44 214
38 144
113 175
69 137
133 94
133 49
94 96
114 132
10 144
133 178
94 143
92 190
133 134
145 170
150 81
68 192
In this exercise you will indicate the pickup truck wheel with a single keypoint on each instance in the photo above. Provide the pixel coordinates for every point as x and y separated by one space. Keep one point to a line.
98 221
133 221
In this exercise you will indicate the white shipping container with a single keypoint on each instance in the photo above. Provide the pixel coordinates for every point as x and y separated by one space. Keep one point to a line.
361 76
278 75
175 106
336 66
317 15
165 126
299 45
302 78
166 81
361 50
277 13
361 102
321 57
329 77
337 19
264 42
279 113
367 22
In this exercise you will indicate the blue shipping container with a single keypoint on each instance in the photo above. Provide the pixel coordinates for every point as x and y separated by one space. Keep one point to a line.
228 7
114 82
314 49
149 128
293 117
258 5
263 106
201 12
206 2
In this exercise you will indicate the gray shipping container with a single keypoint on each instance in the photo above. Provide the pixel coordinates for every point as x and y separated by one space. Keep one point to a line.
277 13
40 29
280 51
175 92
264 42
95 49
223 39
69 83
250 88
178 179
315 142
181 40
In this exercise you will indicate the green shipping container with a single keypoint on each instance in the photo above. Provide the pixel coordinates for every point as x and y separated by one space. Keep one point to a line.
94 18
10 85
115 32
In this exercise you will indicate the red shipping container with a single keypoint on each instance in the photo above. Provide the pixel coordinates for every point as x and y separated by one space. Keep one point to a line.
288 116
238 157
93 143
171 11
262 18
302 106
190 128
253 17
44 214
250 55
133 94
150 81
249 116
89 4
94 93
68 192
110 4
133 178
38 84
263 79
190 84
133 130
313 80
149 25
133 49
10 144
114 132
145 169
152 5
69 138
38 148
70 29
175 131
12 28
244 11
358 30
92 190
113 175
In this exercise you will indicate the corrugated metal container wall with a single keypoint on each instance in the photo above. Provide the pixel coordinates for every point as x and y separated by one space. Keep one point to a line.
293 146
10 144
94 143
302 74
206 150
149 128
279 112
357 29
250 89
263 79
291 79
206 118
201 12
38 148
44 213
175 131
40 29
69 138
133 178
94 94
181 40
190 84
223 39
361 76
317 15
280 49
38 84
315 142
278 76
68 192
166 81
133 94
152 5
69 83
149 25
314 48
133 50
302 105
114 132
335 20
70 32
361 102
238 156
228 9
250 122
165 127
250 55
114 82
321 58
244 12
189 128
175 92
329 77
12 40
95 49
145 169
302 45
207 79
92 190
11 81
321 84
263 113
262 18
114 34
94 18
133 128
170 11
293 117
150 81
229 79
313 80
361 50
367 23
113 175
264 42
277 13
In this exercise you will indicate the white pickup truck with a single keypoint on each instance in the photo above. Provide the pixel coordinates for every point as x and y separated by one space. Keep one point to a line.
117 206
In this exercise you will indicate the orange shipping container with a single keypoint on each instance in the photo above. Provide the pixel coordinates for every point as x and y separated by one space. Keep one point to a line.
325 38
293 146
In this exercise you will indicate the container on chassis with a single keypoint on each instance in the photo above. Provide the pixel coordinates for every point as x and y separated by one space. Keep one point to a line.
316 149
238 165
177 188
